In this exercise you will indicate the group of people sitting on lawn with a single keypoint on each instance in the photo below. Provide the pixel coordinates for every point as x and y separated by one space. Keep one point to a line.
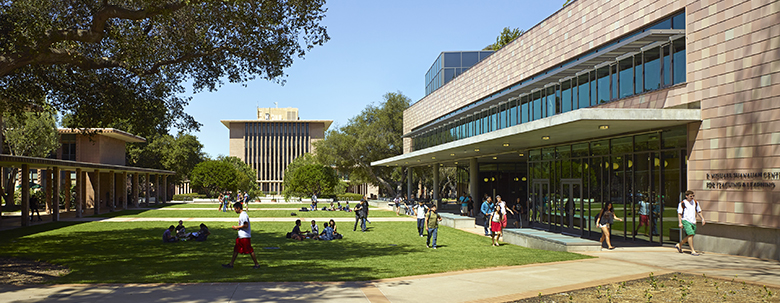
181 233
328 233
333 207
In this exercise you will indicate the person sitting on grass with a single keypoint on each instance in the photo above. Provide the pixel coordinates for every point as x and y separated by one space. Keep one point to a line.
332 224
180 230
327 233
315 230
296 233
201 234
346 207
168 237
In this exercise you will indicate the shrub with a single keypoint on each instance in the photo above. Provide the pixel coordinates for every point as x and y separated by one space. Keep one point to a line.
349 197
188 197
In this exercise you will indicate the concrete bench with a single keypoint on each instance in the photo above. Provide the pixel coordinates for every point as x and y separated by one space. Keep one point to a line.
456 221
539 239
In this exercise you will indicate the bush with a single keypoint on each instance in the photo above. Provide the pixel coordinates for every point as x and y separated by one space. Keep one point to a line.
188 197
349 197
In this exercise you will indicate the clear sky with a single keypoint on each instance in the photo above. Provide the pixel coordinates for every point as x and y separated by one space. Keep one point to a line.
376 47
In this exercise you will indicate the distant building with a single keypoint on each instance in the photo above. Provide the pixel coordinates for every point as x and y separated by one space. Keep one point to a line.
273 141
106 146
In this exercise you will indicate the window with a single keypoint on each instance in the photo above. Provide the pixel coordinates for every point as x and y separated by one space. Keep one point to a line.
566 96
678 60
626 77
603 84
652 62
583 90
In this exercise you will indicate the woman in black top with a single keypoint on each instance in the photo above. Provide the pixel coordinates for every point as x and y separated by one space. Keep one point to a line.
604 220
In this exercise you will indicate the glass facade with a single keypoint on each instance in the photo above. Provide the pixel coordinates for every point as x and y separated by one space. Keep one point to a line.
569 184
450 65
656 66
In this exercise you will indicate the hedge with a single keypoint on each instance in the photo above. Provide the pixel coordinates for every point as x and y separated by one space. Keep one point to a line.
188 197
349 197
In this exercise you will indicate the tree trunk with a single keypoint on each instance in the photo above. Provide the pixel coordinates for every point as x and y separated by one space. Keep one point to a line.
10 185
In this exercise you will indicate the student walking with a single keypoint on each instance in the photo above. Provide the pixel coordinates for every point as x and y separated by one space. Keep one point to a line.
244 240
604 220
486 209
420 211
432 219
687 211
495 219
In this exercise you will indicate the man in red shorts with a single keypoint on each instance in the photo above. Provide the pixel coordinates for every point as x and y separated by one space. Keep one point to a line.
243 242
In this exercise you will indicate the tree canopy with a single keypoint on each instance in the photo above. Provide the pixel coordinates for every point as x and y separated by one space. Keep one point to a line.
32 134
372 135
214 177
507 35
305 177
179 154
125 61
246 177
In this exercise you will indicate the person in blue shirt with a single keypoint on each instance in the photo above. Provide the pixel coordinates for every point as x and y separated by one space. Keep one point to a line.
486 210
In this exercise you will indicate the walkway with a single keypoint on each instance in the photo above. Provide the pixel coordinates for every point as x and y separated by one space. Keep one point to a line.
462 286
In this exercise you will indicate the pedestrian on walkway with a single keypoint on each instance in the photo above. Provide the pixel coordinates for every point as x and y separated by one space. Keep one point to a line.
486 210
432 223
504 211
361 212
420 211
244 240
495 224
644 214
687 211
604 221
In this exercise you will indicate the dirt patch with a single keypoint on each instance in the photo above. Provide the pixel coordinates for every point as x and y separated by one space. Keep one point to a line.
674 287
19 271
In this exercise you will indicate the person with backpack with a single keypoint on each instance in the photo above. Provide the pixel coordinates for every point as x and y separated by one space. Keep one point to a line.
486 209
687 211
604 220
432 223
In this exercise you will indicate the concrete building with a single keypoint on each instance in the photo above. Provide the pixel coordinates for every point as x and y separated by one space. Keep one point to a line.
625 102
271 142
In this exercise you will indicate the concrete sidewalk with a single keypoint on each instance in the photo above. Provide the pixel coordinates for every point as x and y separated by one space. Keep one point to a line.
505 283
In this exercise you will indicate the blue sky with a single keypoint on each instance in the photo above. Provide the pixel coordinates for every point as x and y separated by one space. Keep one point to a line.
376 47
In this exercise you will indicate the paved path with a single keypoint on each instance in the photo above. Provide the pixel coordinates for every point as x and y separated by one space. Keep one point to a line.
252 219
507 283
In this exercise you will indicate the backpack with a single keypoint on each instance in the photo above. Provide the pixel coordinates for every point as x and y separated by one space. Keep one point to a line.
695 205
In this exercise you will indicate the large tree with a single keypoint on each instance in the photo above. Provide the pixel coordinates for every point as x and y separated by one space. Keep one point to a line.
306 176
246 177
32 134
372 135
179 154
124 61
214 176
506 36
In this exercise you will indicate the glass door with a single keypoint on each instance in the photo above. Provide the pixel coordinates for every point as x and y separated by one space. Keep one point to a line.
540 196
571 203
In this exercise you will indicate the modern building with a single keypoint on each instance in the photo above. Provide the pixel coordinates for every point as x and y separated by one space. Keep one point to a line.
449 65
273 141
625 102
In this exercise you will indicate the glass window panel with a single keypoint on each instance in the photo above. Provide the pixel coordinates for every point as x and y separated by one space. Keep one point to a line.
583 90
575 103
558 100
675 138
626 77
647 142
513 113
579 150
535 154
524 109
566 96
551 102
678 60
638 74
548 153
622 145
537 105
665 24
452 60
594 93
614 82
678 21
470 58
652 63
483 55
449 73
603 84
599 148
667 66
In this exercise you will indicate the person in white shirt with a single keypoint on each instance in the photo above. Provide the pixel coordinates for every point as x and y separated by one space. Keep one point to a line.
243 242
420 211
687 211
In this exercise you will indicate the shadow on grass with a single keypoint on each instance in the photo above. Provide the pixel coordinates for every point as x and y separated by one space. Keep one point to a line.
112 253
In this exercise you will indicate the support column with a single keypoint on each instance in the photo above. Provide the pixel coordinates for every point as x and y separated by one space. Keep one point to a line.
68 185
47 180
25 194
156 189
124 190
146 187
112 190
134 192
474 182
165 188
96 187
436 198
79 192
55 214
408 182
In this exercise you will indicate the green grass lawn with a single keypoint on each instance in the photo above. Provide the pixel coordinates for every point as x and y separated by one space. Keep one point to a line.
251 205
133 252
209 213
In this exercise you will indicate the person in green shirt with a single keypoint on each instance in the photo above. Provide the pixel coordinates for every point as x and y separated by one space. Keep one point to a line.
432 223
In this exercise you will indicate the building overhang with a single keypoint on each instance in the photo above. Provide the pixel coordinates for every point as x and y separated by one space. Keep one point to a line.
509 143
326 123
108 132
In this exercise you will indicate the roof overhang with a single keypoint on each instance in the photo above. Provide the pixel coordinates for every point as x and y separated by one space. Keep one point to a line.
632 44
108 132
579 125
326 123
